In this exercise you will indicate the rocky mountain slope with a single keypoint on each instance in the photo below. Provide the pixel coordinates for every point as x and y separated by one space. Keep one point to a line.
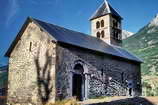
126 34
145 45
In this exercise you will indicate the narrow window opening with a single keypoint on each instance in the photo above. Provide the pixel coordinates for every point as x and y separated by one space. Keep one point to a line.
102 72
122 77
102 23
103 34
30 48
113 23
117 37
97 25
98 34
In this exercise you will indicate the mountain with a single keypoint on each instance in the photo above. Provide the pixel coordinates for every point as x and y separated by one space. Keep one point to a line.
126 34
144 44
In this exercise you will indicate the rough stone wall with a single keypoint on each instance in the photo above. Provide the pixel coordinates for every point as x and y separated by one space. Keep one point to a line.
100 68
32 68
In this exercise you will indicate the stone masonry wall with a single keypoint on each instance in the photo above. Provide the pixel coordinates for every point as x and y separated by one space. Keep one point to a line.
101 68
32 68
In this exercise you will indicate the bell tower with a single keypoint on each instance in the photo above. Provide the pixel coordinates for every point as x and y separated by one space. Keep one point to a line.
106 24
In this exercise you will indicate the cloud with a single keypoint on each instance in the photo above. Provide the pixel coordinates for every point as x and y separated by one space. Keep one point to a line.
12 11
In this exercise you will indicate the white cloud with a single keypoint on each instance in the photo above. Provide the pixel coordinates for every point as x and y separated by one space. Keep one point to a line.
12 11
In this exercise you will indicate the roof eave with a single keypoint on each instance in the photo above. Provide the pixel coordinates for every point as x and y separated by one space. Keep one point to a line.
12 46
103 15
20 33
136 61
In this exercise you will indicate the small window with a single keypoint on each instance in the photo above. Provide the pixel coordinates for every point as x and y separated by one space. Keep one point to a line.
98 34
122 77
114 35
113 23
117 36
102 72
102 23
102 34
30 48
98 24
116 24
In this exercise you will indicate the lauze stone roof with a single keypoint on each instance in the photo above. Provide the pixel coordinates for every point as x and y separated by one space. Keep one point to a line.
66 36
105 9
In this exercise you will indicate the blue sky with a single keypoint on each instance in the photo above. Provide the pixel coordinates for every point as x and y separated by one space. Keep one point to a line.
72 14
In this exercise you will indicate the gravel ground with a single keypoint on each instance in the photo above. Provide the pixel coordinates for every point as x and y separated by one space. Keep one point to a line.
123 101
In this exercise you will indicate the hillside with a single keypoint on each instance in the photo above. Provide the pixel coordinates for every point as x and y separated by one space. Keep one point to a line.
145 45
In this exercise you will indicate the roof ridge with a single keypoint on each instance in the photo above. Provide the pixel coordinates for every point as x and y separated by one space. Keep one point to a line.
104 9
88 35
107 5
71 37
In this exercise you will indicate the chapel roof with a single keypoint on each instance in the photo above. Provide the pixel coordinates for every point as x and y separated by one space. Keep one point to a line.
63 35
105 9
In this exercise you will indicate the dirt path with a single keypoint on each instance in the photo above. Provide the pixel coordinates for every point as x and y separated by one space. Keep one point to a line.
123 101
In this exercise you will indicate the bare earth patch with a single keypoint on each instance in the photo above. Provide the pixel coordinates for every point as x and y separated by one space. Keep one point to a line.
131 100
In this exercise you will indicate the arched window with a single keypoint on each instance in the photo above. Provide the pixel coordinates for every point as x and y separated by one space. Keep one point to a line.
102 23
79 68
98 24
98 34
117 36
102 34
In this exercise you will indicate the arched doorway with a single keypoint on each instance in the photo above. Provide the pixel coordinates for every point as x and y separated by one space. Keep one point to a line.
78 82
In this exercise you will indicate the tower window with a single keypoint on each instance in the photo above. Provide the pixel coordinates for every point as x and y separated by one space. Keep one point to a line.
116 35
102 23
98 24
115 24
98 34
103 34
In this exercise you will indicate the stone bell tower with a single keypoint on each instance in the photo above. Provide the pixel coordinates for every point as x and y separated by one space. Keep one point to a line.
106 25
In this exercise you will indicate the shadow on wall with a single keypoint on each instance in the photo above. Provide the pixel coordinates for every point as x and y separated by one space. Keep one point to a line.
128 101
44 77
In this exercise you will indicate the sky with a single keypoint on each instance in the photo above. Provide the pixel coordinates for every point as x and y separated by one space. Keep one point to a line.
71 14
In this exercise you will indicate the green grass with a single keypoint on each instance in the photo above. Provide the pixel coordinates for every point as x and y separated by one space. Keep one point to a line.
145 46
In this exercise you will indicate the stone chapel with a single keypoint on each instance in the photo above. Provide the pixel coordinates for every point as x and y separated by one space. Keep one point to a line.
48 62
